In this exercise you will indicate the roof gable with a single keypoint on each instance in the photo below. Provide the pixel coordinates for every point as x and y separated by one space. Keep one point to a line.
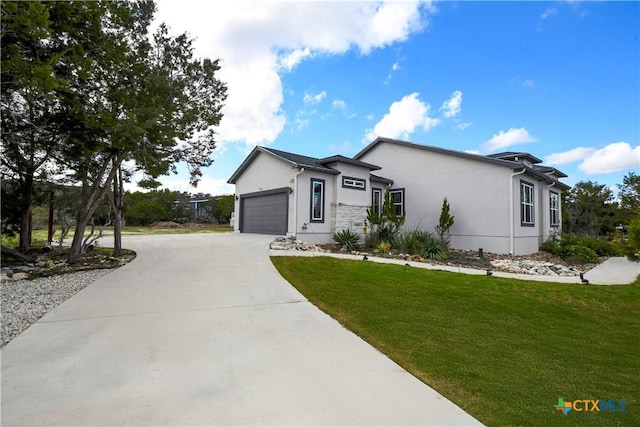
349 161
299 161
516 157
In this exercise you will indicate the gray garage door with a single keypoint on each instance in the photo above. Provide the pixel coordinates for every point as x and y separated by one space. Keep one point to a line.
265 212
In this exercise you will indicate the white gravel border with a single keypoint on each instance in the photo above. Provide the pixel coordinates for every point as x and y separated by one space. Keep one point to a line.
26 301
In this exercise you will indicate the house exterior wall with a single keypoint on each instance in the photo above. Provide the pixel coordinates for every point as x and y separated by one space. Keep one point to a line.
343 208
306 229
547 230
478 193
350 206
265 173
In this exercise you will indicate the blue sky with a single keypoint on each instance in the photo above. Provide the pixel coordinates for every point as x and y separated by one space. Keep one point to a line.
560 80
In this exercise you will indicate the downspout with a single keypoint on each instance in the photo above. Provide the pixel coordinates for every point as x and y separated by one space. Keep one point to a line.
512 225
295 204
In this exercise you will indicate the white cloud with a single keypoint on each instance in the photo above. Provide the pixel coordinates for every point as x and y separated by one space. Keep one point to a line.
403 118
567 157
310 98
612 158
394 67
548 13
289 61
527 83
258 40
301 121
504 139
339 103
462 126
452 106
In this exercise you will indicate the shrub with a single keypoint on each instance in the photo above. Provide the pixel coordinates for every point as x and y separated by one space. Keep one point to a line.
423 243
552 245
386 224
634 238
557 245
600 247
346 239
566 245
383 247
371 240
579 254
412 242
445 222
434 248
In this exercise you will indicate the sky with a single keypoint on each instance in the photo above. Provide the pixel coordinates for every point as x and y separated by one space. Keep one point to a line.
559 80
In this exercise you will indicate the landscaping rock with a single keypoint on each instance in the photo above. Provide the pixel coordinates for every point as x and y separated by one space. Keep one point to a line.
292 244
19 276
540 268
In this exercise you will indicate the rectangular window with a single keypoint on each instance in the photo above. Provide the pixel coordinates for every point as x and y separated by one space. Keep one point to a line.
554 209
397 197
317 200
526 204
376 200
355 183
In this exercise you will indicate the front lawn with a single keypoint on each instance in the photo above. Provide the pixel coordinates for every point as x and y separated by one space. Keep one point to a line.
504 350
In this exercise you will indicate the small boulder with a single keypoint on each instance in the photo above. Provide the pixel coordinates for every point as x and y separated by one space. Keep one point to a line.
19 276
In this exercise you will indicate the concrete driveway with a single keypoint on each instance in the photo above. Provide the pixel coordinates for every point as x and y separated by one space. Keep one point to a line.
201 330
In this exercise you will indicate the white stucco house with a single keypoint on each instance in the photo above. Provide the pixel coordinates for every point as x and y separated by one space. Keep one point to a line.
504 203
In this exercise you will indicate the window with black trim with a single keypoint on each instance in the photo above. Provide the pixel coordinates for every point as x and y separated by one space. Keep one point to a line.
526 204
355 183
317 200
397 198
554 209
376 200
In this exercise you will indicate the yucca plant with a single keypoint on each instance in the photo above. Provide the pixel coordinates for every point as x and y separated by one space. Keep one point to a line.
346 239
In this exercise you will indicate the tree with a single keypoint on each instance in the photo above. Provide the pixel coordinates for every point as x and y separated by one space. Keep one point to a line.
445 222
221 208
629 194
589 209
31 114
153 206
147 102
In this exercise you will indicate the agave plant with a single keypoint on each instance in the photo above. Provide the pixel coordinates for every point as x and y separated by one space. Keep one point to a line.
346 239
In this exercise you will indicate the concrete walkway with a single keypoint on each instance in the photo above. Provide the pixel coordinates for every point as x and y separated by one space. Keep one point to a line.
201 330
614 271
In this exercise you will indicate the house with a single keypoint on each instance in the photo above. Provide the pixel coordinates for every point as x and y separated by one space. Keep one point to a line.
504 203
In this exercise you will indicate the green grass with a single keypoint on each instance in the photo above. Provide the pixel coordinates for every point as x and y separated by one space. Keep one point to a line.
39 237
503 350
200 228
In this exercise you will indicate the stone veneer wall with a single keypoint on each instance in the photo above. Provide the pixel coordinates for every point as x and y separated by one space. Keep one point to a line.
348 216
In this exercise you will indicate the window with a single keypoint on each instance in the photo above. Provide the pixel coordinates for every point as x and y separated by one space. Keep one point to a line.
397 198
317 200
376 200
526 203
355 183
554 209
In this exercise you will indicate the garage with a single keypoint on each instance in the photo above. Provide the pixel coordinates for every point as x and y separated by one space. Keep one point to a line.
265 212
